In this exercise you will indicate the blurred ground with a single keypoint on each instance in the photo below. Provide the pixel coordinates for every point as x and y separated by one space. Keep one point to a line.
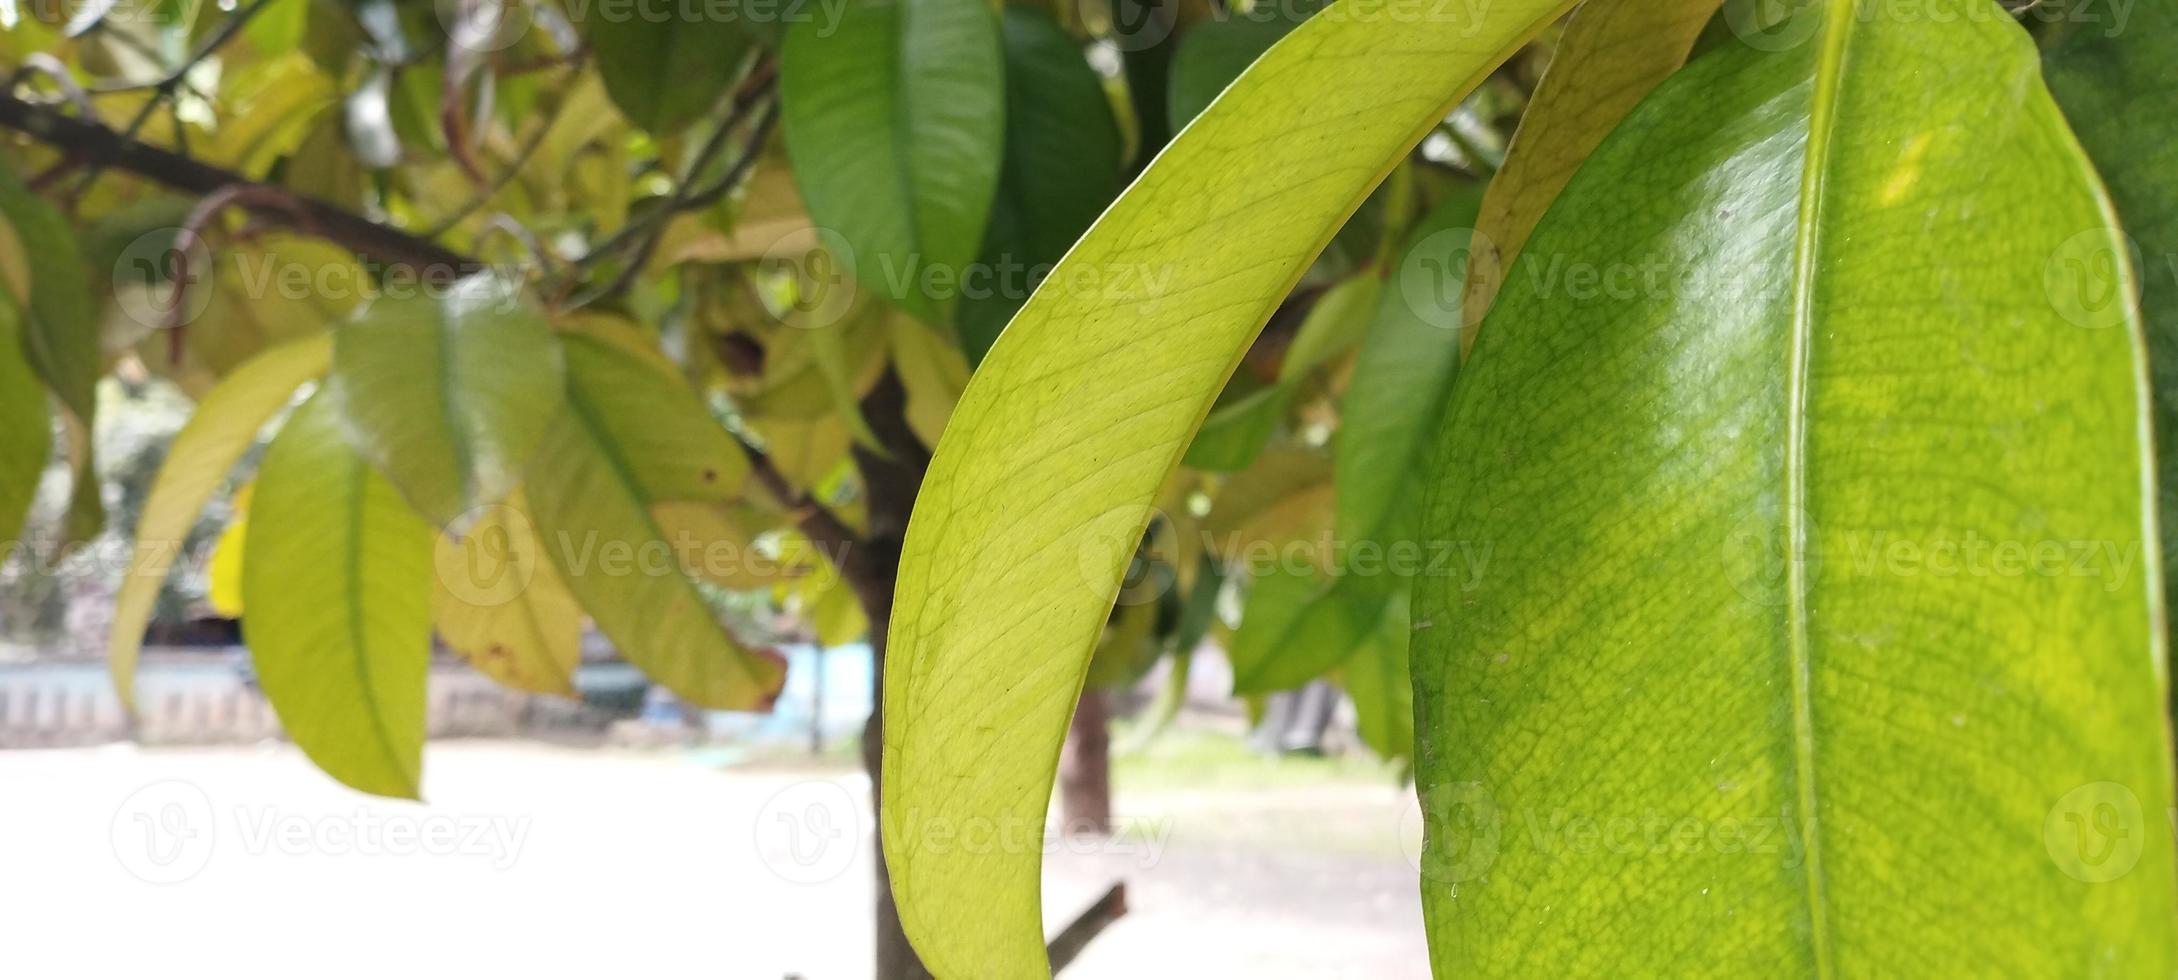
531 860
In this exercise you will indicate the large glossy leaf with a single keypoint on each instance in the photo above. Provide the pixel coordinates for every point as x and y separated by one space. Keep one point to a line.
448 395
223 427
1043 481
26 430
337 591
1061 168
632 437
1612 53
895 118
1820 630
664 65
2109 77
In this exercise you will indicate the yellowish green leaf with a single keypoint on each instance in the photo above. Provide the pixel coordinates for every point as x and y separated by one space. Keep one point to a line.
1045 476
336 579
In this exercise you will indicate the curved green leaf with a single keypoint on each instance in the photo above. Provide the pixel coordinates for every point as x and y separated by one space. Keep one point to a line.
448 395
336 583
1821 630
1612 53
895 121
223 427
1042 484
633 436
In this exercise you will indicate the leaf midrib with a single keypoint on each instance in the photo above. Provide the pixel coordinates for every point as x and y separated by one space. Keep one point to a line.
358 520
594 430
1835 32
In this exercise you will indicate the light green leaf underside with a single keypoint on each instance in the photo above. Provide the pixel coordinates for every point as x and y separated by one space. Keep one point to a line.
631 437
1612 53
1889 749
894 115
1044 478
448 395
336 581
223 427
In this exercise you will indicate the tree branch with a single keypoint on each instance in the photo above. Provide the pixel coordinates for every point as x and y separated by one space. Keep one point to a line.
96 144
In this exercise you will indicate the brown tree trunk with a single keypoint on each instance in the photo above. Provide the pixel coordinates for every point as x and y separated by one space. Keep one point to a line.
891 480
1085 768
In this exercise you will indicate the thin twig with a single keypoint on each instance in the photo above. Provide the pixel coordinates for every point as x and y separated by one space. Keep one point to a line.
164 88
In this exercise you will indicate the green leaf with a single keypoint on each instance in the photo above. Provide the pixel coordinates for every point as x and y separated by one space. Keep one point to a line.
2109 79
336 581
26 428
1820 566
633 436
665 65
1402 376
60 337
1612 53
1237 429
1377 681
1300 624
1215 52
1043 482
1061 169
223 427
895 122
61 332
1333 326
448 395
